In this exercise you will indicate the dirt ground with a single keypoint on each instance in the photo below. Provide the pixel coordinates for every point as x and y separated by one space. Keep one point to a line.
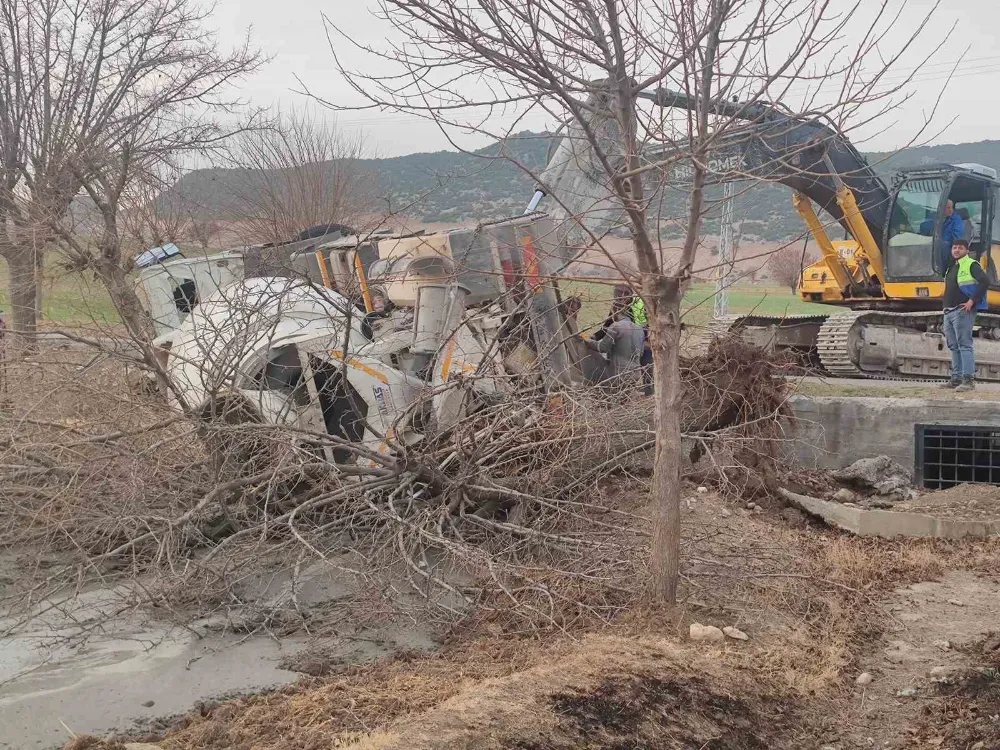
930 643
970 502
819 609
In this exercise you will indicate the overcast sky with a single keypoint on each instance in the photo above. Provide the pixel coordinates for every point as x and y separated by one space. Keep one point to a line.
292 33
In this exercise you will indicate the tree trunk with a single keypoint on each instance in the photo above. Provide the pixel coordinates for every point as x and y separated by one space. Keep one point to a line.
123 295
664 334
23 293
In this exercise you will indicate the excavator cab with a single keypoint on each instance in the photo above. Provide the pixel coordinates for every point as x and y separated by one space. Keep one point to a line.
915 249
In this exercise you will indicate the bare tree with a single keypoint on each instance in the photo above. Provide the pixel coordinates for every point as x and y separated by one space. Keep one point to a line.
23 48
202 231
147 220
297 173
786 264
94 94
483 66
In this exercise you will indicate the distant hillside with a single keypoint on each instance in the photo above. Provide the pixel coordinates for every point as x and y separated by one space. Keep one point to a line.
442 186
449 187
981 152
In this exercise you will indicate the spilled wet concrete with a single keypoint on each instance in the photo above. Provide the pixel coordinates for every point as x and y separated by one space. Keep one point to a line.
109 684
89 664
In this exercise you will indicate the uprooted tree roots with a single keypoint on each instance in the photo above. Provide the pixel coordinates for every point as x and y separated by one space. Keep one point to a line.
736 417
510 510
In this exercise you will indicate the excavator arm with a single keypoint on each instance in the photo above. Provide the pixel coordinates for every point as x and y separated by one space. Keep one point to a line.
808 155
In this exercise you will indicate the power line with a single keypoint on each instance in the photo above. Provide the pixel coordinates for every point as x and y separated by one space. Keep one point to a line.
884 84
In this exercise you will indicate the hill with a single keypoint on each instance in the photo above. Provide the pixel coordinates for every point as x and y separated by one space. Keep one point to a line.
447 186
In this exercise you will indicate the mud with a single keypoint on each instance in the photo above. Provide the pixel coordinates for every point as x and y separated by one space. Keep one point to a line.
644 711
81 666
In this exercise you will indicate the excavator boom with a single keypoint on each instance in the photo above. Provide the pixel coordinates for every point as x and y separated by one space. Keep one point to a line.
808 155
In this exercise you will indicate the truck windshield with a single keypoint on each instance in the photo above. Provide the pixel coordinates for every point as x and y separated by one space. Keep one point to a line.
911 228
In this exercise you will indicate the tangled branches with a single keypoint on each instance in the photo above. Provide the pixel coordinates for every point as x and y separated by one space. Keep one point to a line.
514 514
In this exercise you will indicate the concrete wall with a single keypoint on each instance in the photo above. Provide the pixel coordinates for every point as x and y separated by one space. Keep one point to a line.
834 431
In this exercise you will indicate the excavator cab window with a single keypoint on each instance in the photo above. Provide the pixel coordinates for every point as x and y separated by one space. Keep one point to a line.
916 249
993 223
912 227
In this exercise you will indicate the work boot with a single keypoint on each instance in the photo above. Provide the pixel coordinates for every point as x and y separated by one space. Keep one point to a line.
967 384
950 384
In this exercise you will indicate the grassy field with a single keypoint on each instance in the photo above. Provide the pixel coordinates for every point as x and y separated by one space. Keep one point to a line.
699 302
68 298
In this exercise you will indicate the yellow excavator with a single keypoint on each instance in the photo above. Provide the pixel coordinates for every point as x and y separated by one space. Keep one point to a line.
887 276
893 281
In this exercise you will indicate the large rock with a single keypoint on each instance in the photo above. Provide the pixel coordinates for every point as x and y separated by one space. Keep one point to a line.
735 633
879 475
708 633
844 495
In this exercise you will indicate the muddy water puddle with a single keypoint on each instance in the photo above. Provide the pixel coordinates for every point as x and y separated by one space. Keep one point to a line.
82 666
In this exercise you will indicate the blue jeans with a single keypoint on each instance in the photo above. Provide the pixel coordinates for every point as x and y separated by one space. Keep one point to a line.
958 334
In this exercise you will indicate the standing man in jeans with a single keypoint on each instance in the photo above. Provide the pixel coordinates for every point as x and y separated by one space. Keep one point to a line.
965 287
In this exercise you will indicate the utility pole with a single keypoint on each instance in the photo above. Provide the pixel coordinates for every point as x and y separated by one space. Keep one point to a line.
727 252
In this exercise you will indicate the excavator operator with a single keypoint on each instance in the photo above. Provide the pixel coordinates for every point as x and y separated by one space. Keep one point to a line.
952 229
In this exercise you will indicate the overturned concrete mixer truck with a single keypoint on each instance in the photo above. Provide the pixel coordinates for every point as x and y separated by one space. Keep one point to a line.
368 338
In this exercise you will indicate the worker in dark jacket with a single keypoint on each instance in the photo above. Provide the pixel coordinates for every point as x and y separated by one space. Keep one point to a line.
965 287
621 343
625 299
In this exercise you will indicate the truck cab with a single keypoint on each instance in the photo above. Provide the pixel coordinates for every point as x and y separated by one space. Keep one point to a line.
170 290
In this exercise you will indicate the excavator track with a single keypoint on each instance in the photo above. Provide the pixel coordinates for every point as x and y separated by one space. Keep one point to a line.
796 333
833 345
879 345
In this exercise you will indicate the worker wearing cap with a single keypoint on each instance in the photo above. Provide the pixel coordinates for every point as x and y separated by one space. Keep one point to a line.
965 286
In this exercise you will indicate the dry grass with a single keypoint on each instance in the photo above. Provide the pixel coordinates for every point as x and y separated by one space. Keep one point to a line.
89 742
486 695
810 600
353 701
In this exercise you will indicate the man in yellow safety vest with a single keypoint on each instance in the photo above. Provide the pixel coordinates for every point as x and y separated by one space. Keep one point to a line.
965 286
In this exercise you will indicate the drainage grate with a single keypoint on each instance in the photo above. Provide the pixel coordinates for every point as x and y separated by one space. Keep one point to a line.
947 455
